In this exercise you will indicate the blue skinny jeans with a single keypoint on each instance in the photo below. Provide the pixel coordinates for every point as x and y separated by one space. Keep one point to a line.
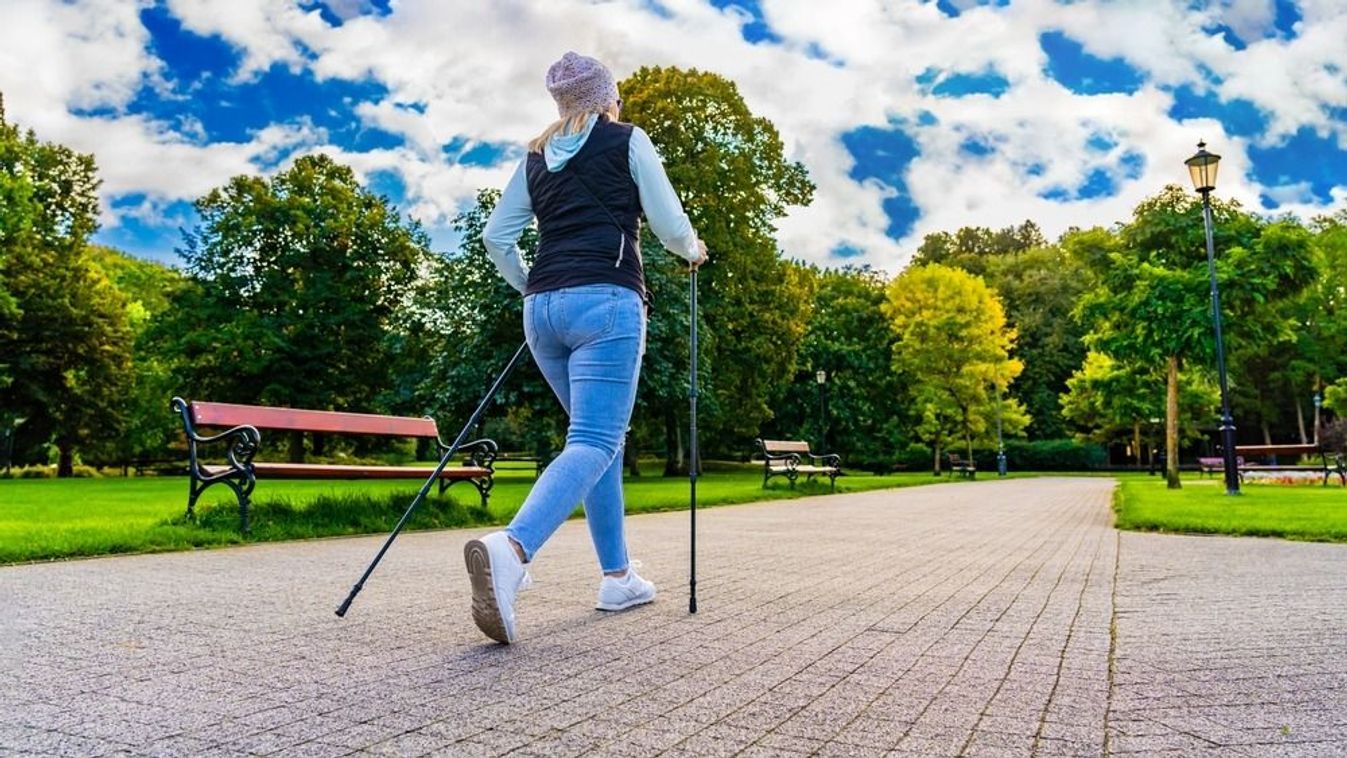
588 342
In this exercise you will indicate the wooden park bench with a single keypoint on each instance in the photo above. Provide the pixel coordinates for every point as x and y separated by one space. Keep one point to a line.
1324 466
1210 466
957 465
240 439
786 458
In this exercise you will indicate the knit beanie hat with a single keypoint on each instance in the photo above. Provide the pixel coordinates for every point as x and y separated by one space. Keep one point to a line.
580 84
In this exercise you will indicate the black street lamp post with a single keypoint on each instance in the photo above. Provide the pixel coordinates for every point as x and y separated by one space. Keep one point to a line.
1202 168
1318 403
1000 443
821 377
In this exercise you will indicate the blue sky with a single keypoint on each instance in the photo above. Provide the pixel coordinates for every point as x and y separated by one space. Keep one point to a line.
912 116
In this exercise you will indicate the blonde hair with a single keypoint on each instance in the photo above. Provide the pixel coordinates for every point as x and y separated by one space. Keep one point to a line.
569 125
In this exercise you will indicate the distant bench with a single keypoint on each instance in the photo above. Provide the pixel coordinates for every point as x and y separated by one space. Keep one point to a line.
1325 466
957 465
241 439
1210 466
786 458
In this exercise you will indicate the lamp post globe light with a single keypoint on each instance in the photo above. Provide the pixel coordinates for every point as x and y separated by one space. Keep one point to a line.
1202 167
821 377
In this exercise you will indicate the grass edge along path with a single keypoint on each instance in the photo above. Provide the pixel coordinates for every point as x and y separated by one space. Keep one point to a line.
43 520
1309 513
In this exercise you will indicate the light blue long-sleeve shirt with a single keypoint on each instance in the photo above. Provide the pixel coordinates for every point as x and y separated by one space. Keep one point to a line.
662 208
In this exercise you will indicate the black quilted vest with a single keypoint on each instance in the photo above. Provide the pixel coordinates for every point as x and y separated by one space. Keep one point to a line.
588 215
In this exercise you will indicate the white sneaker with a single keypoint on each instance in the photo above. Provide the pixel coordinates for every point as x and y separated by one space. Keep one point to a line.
621 593
497 576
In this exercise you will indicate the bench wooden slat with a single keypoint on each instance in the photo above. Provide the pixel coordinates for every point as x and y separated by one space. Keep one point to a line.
1278 449
294 419
337 471
785 446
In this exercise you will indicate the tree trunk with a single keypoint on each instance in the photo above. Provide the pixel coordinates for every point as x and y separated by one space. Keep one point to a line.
1172 425
296 451
1267 433
1136 443
319 445
65 464
936 446
1300 423
629 456
673 451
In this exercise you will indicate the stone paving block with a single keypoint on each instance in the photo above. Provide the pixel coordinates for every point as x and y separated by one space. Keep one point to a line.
785 743
843 750
719 740
311 749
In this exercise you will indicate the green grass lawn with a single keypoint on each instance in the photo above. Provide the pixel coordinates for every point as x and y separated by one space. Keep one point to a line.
48 518
1298 512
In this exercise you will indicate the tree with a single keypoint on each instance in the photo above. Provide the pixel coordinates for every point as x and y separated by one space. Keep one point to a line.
954 345
730 169
1108 401
457 333
975 248
1039 288
149 290
1151 304
298 278
64 334
1319 317
1039 285
848 337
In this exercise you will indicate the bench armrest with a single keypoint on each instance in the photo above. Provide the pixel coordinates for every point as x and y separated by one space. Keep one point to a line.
832 460
243 440
481 453
791 459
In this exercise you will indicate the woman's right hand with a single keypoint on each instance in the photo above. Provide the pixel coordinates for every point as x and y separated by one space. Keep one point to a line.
701 248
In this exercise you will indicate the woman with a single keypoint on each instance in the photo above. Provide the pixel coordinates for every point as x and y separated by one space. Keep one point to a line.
587 178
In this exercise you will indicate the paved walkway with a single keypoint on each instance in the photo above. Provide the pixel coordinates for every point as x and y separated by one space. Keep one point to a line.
982 618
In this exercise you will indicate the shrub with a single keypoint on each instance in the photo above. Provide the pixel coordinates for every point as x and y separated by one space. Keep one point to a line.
1333 436
1044 455
49 472
915 457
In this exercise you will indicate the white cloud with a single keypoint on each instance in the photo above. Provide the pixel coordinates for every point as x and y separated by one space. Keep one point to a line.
474 70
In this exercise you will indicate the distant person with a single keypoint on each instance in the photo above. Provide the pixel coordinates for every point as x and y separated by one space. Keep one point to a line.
587 178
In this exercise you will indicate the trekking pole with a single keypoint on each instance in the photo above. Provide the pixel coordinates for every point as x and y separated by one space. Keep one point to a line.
692 445
434 477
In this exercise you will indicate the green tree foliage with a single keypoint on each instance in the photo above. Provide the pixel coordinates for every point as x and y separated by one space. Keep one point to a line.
1319 321
459 331
1039 285
1108 401
975 248
63 326
731 172
1039 288
849 338
954 346
149 289
297 280
1151 304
